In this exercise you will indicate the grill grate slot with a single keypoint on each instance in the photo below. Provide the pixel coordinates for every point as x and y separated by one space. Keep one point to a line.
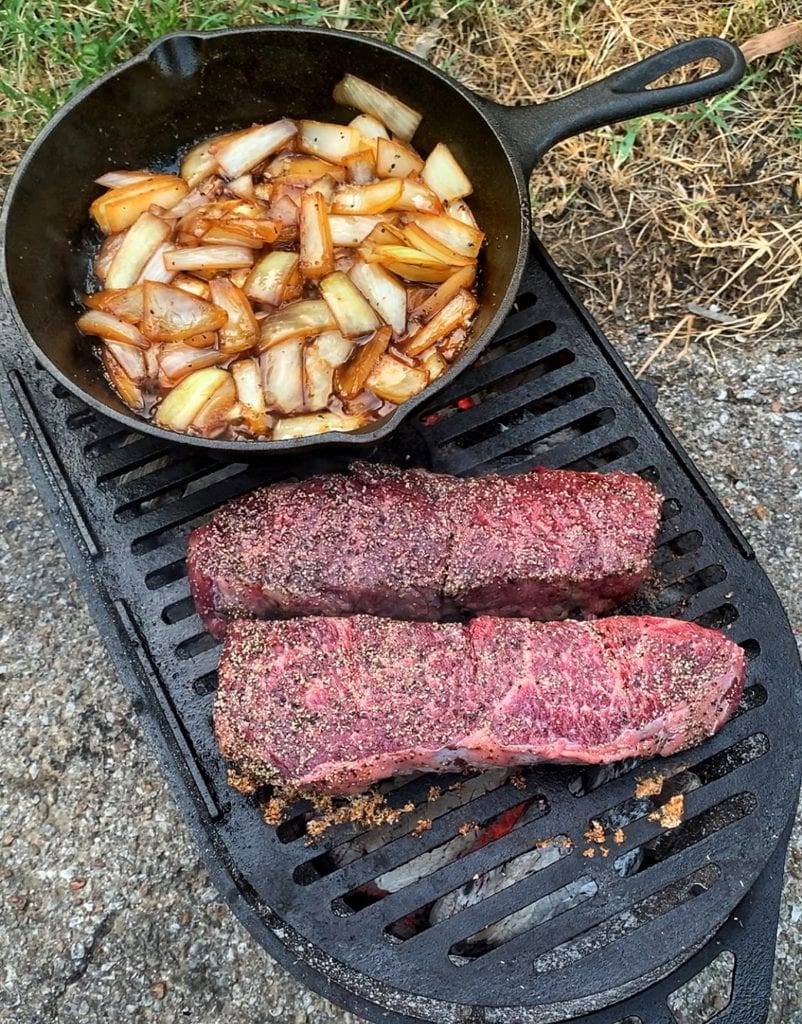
520 406
432 796
81 418
553 904
205 684
690 832
471 836
605 456
158 495
719 617
195 645
642 913
166 574
504 376
178 611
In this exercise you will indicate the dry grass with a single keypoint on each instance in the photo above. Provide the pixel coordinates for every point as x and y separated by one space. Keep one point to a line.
688 225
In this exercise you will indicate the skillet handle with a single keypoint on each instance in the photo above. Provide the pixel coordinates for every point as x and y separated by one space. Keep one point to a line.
620 96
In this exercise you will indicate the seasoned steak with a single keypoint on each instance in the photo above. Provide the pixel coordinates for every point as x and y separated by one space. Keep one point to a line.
415 545
334 704
551 541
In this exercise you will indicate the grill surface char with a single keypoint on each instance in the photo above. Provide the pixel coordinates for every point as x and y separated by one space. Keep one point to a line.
402 926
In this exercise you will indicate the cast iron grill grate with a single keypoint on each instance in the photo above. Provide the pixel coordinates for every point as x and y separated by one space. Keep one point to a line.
494 911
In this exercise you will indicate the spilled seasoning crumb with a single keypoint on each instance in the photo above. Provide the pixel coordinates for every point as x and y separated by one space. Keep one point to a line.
467 826
274 810
518 781
563 841
590 852
242 781
424 824
650 786
604 851
368 809
618 836
595 834
670 814
433 794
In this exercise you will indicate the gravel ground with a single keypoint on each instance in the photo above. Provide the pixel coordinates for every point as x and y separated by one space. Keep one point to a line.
105 911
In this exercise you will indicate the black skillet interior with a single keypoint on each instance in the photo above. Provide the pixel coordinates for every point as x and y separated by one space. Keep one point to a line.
187 86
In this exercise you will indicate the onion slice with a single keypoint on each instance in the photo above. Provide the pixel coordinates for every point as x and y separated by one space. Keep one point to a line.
141 241
367 199
283 376
172 314
124 303
241 330
133 361
332 142
395 382
417 197
321 357
116 179
454 314
443 174
361 167
248 380
184 402
209 257
351 230
459 210
422 240
177 360
298 320
217 412
456 235
123 385
106 325
317 251
402 120
316 423
384 291
268 279
200 162
118 208
303 170
193 285
370 128
462 278
154 269
350 378
353 313
238 154
395 160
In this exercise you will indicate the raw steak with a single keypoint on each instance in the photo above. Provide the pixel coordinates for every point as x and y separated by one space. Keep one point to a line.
334 704
415 545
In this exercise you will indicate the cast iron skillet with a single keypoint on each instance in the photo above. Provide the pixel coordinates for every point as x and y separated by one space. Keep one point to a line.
187 86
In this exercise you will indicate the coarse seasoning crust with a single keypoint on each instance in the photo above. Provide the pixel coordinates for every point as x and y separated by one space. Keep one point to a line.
410 544
332 705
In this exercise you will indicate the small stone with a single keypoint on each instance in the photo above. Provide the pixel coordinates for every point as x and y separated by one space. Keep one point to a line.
158 989
77 884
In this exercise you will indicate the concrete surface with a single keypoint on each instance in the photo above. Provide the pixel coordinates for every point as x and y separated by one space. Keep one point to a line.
105 913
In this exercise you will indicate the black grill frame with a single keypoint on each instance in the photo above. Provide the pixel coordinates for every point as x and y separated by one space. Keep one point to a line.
125 538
